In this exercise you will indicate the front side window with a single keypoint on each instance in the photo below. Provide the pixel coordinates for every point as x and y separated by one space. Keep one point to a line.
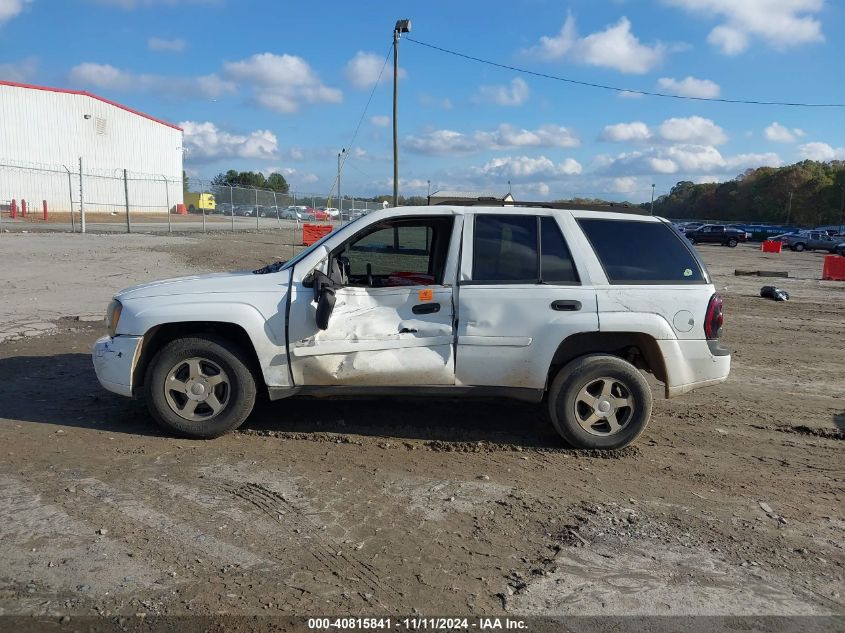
520 249
402 252
633 251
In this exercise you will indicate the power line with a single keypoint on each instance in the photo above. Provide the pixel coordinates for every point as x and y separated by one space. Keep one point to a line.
647 93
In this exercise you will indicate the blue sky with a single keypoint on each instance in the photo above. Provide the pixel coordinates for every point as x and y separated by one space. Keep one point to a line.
281 86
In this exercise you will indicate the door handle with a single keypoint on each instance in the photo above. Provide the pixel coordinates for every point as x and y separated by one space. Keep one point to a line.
566 305
426 308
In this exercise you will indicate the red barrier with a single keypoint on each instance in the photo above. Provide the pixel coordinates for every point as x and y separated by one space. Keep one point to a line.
45 208
23 208
181 210
13 209
833 268
313 232
771 246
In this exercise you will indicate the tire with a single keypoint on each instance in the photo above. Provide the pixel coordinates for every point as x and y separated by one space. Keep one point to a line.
732 242
590 376
798 247
218 367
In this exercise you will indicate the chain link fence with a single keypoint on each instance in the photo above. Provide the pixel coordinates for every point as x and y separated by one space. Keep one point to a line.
77 199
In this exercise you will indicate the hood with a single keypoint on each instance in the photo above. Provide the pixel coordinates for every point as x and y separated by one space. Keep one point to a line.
220 283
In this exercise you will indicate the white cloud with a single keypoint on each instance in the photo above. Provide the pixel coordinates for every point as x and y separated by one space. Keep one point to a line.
426 99
514 94
781 134
204 141
11 8
282 83
744 161
293 176
684 158
159 44
626 132
779 23
821 152
529 168
362 71
616 47
21 71
694 129
106 76
381 120
690 87
625 184
505 136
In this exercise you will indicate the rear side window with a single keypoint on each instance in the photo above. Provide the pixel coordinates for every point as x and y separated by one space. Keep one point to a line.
641 252
520 249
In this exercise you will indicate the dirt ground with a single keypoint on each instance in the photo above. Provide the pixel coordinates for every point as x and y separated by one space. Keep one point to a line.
731 503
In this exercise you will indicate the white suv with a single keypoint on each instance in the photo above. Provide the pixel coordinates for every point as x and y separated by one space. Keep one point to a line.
555 306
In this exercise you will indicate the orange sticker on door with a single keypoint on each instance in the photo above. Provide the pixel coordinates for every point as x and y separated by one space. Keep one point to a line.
425 295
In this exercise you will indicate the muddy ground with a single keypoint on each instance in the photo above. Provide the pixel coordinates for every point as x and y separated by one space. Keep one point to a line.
730 503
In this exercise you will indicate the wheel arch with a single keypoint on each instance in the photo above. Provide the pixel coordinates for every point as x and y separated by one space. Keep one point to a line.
160 335
639 349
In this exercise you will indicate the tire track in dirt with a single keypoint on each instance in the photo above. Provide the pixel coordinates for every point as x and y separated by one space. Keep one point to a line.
327 554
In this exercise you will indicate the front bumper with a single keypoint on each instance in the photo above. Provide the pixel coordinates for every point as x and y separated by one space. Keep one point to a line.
114 361
691 364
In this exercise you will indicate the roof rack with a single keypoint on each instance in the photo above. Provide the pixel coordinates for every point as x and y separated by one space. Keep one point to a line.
573 206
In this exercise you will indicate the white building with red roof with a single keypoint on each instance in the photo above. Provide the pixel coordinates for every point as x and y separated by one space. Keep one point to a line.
45 131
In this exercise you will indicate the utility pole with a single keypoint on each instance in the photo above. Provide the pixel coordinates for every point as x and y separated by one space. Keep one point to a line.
402 26
428 200
652 198
789 208
841 209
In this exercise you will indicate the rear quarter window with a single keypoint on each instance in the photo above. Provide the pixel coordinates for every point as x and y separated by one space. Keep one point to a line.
632 251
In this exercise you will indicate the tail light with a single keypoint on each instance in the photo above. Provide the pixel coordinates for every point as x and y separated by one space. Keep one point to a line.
714 318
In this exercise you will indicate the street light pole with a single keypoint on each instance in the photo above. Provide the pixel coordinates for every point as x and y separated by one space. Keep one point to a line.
402 26
652 198
339 198
841 209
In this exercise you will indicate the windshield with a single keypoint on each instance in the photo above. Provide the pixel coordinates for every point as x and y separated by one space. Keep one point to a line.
299 256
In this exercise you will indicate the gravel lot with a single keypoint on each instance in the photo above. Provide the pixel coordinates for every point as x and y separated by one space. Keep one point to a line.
731 503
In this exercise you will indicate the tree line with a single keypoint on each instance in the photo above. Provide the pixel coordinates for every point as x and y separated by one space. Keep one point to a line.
808 193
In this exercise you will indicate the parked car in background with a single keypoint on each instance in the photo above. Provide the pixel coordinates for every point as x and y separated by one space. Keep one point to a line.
717 234
267 211
326 214
224 208
299 213
245 210
811 240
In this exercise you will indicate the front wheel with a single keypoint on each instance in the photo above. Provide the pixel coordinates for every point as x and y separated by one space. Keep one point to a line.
599 402
200 387
733 242
798 247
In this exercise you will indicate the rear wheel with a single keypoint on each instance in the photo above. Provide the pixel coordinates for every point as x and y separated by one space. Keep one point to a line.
200 387
732 242
798 247
599 402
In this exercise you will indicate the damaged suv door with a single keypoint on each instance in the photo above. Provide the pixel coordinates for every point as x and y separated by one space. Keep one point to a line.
391 322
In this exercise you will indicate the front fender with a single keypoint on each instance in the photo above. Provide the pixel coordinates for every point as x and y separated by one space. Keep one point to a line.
265 332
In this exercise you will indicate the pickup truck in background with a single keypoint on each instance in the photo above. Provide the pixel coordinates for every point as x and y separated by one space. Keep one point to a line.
814 240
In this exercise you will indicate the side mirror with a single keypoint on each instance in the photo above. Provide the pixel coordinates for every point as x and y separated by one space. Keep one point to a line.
325 306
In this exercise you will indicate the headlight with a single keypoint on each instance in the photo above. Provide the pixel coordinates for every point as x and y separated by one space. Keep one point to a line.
113 316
